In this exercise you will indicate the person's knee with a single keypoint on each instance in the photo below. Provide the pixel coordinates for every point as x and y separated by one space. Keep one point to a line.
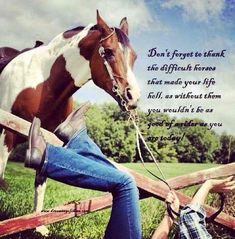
126 182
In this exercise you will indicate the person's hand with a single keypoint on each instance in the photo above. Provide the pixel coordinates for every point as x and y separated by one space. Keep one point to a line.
221 185
164 227
173 200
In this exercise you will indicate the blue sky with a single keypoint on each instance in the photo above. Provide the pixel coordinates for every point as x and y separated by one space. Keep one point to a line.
186 25
201 29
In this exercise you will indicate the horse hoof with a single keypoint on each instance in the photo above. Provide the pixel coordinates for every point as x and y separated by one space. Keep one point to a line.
43 231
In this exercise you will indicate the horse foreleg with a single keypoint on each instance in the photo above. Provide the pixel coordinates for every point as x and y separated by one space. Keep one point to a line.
40 188
3 156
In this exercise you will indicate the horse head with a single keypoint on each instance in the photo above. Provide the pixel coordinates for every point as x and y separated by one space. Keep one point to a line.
111 60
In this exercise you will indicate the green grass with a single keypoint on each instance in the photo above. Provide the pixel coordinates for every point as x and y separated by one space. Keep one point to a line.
169 169
18 200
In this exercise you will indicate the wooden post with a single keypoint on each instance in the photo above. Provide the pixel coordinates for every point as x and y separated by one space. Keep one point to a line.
201 176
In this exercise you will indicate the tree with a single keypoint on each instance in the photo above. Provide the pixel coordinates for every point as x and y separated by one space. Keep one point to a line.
153 129
226 152
199 144
110 130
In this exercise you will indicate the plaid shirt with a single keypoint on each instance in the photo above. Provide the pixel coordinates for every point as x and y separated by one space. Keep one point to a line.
192 223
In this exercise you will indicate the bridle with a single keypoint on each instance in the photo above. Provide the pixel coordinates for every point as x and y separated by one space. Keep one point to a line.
115 87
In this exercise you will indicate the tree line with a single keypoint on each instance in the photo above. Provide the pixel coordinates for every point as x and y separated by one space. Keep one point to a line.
116 136
192 143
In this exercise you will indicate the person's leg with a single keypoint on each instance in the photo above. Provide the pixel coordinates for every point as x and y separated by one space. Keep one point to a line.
70 167
125 216
83 169
83 145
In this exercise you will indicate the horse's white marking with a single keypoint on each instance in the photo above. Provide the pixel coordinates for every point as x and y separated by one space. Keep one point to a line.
43 231
135 90
77 65
38 200
121 47
39 197
3 156
131 79
24 71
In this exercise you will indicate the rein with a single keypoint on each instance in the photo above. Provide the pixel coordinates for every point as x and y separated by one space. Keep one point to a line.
133 116
171 212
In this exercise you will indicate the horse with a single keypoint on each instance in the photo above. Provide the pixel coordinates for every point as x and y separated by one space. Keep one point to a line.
41 81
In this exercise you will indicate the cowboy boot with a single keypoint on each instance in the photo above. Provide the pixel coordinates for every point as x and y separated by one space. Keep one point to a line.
35 154
73 123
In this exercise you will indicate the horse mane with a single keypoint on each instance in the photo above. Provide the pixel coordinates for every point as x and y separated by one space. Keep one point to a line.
122 37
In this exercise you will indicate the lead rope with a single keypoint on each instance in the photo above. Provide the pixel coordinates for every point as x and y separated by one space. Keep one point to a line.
170 211
133 117
139 136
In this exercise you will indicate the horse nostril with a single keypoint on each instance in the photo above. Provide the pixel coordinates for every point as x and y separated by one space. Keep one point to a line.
128 94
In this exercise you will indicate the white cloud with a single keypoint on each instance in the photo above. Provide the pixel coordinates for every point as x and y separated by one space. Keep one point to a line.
199 10
22 22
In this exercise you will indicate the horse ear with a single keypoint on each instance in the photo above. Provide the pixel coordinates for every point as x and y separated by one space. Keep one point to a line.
124 25
106 30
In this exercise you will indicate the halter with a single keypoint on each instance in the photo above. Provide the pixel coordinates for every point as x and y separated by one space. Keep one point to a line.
112 76
105 38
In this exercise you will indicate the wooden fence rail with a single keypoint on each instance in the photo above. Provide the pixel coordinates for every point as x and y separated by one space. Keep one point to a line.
76 209
148 187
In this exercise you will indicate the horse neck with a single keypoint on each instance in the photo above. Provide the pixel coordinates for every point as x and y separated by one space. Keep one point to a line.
76 64
68 72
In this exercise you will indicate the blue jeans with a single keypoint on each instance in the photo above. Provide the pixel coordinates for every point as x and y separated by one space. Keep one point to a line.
81 163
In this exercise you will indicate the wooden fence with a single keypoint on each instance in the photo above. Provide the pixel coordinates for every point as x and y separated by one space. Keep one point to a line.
148 188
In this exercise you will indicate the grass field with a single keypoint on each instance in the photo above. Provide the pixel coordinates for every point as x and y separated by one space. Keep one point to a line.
18 200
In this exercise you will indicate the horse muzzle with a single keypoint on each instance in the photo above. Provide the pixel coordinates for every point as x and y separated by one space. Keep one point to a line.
127 99
127 104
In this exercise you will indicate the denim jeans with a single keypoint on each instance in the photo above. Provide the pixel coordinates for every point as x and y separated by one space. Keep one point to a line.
81 163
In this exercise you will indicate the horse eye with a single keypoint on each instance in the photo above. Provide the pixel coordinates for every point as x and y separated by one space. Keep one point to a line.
108 53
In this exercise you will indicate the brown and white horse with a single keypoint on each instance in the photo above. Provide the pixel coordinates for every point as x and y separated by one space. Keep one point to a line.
40 82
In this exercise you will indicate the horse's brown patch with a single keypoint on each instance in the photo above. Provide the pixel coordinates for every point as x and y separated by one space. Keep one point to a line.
88 44
51 100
